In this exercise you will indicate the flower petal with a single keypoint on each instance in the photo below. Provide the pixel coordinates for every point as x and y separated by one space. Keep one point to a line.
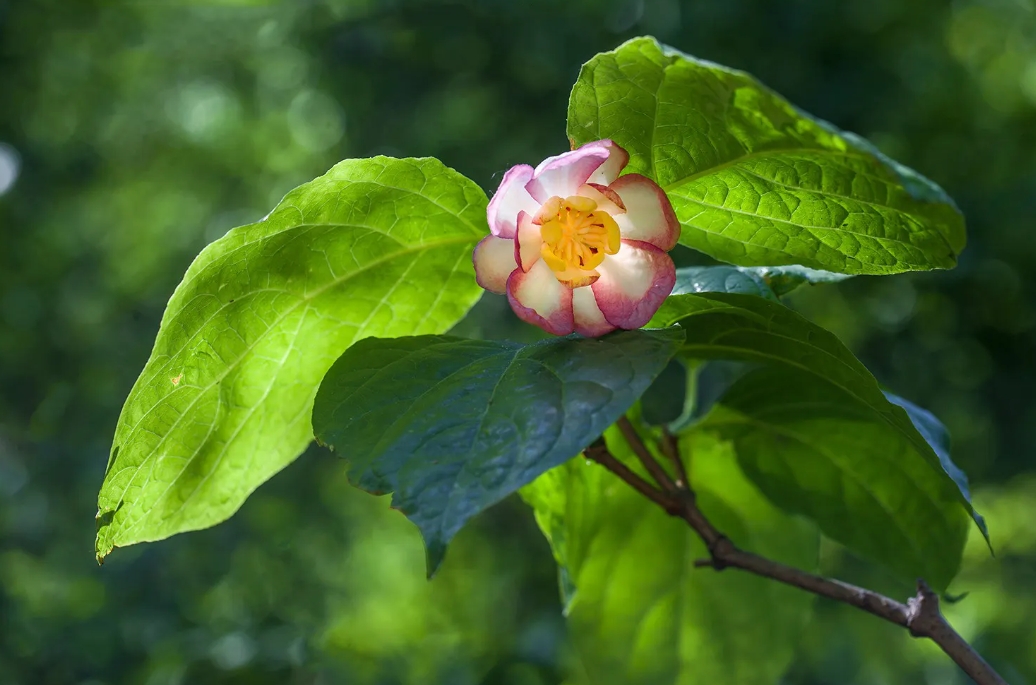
538 298
509 199
618 158
527 242
494 262
649 215
634 283
589 319
562 175
607 199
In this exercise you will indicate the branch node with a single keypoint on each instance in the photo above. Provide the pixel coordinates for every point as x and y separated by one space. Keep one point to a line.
923 614
721 549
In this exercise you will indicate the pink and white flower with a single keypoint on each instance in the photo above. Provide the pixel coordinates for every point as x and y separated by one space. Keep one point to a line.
575 247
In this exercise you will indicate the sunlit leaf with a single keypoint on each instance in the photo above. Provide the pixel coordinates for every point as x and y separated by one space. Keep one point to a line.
748 328
755 181
374 247
451 426
638 610
816 451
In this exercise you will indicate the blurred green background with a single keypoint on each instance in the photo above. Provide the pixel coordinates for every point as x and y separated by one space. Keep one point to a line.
133 133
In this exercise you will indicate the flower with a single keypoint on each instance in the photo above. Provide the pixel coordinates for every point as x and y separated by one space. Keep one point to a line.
575 247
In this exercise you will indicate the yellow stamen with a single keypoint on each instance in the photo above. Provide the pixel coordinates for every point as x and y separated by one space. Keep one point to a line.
576 237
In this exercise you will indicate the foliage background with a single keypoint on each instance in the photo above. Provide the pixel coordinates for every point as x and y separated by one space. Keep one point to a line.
133 133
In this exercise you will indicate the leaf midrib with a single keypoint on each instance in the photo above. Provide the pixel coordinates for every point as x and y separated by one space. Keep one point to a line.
757 154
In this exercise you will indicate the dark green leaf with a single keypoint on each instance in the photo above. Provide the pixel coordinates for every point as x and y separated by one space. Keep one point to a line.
640 612
747 328
755 181
452 426
816 451
374 247
937 436
663 402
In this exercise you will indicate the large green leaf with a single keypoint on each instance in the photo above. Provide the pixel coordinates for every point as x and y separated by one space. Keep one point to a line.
374 247
749 328
638 609
816 451
452 426
755 181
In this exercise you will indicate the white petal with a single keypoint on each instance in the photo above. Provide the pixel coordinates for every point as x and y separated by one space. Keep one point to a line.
589 319
562 175
494 262
538 298
618 158
528 242
649 215
634 283
509 199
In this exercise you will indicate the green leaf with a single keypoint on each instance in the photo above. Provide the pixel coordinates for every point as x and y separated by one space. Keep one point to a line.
721 279
763 281
639 611
663 402
452 426
747 328
816 451
783 279
755 181
374 247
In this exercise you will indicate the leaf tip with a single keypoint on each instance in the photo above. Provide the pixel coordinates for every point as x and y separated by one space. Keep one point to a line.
435 552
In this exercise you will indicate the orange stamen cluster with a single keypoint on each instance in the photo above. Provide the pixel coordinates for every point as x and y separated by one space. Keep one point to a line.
576 237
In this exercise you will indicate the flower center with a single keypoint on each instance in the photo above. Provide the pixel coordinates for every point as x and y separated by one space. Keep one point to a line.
576 237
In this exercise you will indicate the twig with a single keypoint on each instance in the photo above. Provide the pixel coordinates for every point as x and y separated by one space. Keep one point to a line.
644 455
599 453
920 615
672 450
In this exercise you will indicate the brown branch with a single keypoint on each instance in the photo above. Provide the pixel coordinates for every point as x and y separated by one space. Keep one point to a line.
645 456
920 615
599 452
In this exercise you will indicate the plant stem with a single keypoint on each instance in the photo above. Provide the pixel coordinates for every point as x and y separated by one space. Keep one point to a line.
920 615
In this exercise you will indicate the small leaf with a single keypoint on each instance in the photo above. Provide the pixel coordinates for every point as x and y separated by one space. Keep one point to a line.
747 328
640 612
755 181
374 247
721 279
452 426
816 451
783 279
764 281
